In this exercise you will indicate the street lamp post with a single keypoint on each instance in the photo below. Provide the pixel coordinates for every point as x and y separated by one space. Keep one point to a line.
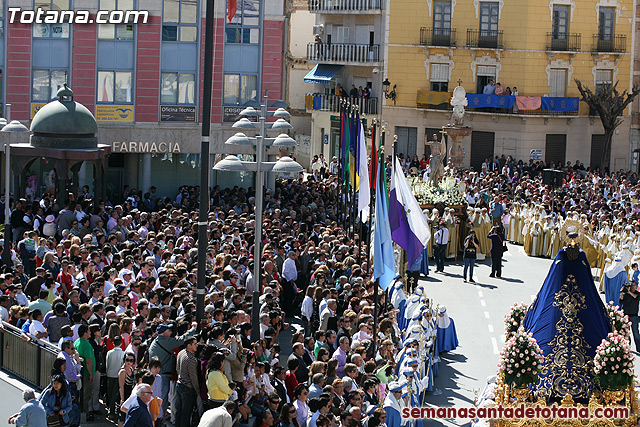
12 126
284 164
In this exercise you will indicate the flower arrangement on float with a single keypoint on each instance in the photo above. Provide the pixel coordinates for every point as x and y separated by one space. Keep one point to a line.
619 321
613 364
520 359
513 320
446 192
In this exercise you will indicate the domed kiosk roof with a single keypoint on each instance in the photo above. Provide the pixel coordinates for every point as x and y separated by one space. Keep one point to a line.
64 123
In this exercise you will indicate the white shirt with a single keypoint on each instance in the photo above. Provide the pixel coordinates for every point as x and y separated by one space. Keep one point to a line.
442 236
289 270
217 417
307 307
4 314
22 299
37 327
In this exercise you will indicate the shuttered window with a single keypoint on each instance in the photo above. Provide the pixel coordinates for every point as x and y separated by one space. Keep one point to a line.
558 82
486 70
440 72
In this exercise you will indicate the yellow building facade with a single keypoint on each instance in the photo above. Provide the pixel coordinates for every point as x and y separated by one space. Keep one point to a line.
536 46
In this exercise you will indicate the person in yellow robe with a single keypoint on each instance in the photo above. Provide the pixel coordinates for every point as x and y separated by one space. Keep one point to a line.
513 222
522 223
527 238
556 241
536 235
547 228
453 227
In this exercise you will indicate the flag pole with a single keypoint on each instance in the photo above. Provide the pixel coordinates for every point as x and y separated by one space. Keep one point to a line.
354 205
372 195
340 171
376 301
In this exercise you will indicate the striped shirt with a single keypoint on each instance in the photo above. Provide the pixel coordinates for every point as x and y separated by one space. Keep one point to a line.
187 367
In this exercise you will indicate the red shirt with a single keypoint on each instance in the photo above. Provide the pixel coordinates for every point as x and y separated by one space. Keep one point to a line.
291 382
65 279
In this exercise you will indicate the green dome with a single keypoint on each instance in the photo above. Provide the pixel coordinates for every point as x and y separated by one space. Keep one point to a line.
64 116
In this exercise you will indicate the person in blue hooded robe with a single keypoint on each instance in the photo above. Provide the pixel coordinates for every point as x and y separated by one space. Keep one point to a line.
614 278
393 405
446 337
568 320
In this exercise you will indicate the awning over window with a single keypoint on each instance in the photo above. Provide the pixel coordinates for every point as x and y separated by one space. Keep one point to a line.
322 73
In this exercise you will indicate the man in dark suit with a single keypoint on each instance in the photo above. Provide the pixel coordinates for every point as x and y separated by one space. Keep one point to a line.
138 415
278 383
302 374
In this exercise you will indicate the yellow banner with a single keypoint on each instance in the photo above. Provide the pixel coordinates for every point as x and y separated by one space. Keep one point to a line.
433 98
35 107
114 113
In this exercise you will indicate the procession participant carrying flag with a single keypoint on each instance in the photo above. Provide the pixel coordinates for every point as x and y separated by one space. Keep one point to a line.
409 229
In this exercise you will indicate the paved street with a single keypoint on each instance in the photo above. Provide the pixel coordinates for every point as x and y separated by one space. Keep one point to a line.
478 311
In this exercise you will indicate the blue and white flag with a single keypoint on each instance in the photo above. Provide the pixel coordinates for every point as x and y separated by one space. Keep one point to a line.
409 228
384 267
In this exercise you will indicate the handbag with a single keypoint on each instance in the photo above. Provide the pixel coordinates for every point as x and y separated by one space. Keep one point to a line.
53 420
505 248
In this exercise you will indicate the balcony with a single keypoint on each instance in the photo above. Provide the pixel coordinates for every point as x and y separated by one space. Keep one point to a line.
343 53
609 43
331 103
487 39
563 42
437 37
345 6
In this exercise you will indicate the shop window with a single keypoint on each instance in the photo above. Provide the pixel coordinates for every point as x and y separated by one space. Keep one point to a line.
114 87
46 83
178 88
239 88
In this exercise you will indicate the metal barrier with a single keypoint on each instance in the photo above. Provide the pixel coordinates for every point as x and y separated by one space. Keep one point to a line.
30 360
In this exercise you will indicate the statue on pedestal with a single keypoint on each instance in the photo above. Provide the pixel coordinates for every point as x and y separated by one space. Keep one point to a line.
435 161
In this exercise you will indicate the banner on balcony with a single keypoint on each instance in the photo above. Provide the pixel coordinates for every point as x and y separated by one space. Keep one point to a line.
478 100
528 103
433 98
549 103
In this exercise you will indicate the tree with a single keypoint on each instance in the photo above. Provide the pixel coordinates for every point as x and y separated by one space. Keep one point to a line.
609 104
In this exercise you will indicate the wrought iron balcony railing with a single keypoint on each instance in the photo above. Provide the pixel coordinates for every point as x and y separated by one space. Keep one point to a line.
331 102
437 37
609 43
564 42
490 39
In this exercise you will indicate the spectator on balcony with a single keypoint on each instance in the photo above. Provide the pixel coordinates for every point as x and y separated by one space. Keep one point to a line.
507 91
499 90
340 91
353 93
489 89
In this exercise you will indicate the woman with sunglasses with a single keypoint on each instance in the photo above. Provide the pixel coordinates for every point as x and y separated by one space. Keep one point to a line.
126 381
288 416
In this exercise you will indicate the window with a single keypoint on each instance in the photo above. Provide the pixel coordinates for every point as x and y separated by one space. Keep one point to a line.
439 77
178 88
114 86
245 24
605 24
239 89
489 19
46 84
558 82
441 18
604 78
484 74
60 30
116 31
180 21
560 24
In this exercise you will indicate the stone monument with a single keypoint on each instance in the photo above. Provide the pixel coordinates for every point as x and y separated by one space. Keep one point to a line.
457 131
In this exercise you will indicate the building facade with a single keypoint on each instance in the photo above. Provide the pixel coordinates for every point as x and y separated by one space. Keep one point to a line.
536 46
144 81
347 56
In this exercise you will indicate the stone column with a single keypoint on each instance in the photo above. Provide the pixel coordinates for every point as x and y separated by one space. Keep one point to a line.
146 174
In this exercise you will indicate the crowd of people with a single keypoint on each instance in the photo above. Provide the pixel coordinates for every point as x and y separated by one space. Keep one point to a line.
112 288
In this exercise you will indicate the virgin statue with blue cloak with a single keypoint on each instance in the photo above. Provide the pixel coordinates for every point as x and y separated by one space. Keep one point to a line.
569 321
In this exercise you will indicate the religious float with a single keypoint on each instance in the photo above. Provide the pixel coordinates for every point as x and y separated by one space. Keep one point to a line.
567 360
